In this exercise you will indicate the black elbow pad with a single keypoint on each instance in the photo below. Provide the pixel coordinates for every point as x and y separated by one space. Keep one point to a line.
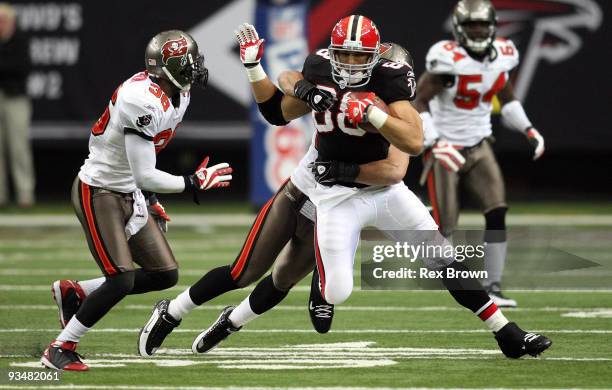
271 109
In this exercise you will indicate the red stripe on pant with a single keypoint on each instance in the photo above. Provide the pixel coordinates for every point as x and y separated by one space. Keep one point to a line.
320 267
86 202
431 189
245 253
248 245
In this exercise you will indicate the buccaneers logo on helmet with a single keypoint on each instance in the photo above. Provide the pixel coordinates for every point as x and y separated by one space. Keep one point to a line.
174 48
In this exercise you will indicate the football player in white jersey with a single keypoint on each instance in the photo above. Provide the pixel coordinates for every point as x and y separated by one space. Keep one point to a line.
331 174
454 97
141 118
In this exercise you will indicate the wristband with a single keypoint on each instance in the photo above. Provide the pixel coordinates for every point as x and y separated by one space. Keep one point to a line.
377 117
190 185
256 73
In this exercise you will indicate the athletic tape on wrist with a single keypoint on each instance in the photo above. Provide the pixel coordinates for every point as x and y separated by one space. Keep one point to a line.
256 73
377 117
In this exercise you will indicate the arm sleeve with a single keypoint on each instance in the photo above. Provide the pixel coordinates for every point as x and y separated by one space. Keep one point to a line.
141 156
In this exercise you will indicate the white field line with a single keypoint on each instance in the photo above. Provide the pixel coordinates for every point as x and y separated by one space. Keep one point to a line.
147 387
337 331
47 287
178 243
77 271
228 255
593 311
206 220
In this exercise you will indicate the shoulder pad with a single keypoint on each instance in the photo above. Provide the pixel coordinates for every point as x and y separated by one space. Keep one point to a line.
440 58
317 64
507 53
139 109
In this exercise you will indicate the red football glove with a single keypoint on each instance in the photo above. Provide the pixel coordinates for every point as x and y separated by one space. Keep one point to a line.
158 213
251 47
448 155
212 177
356 110
537 141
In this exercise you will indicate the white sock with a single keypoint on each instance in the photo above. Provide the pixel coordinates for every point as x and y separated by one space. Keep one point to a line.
242 314
497 321
91 285
73 331
181 305
492 316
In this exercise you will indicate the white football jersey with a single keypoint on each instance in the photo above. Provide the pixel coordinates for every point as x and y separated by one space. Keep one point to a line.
140 106
462 113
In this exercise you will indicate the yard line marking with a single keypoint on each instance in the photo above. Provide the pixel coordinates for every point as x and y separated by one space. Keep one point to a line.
77 271
338 331
145 387
306 288
594 312
581 313
357 354
196 220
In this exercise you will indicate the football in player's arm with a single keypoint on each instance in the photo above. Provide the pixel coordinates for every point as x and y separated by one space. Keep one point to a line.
297 97
285 221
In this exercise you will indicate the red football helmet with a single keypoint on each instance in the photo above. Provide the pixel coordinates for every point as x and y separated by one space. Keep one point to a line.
354 34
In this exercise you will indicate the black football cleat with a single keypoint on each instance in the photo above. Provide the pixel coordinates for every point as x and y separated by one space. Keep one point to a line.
217 332
62 356
321 312
515 342
68 296
155 331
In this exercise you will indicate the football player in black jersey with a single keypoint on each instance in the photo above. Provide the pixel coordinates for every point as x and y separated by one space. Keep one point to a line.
336 173
281 234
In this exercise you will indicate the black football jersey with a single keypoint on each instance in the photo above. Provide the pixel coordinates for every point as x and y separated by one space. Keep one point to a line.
337 138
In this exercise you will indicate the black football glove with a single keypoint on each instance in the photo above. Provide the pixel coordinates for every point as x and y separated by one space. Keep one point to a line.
318 99
331 172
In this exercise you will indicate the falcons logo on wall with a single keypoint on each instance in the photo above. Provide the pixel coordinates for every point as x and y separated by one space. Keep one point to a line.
543 30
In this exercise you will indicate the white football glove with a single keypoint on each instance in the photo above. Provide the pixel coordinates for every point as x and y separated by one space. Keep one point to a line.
212 177
537 141
448 155
251 47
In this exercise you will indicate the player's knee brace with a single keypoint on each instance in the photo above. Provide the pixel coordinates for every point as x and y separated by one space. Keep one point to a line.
271 109
495 221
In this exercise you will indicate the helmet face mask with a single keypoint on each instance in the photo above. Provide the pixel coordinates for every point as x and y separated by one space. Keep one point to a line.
173 55
474 25
354 51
